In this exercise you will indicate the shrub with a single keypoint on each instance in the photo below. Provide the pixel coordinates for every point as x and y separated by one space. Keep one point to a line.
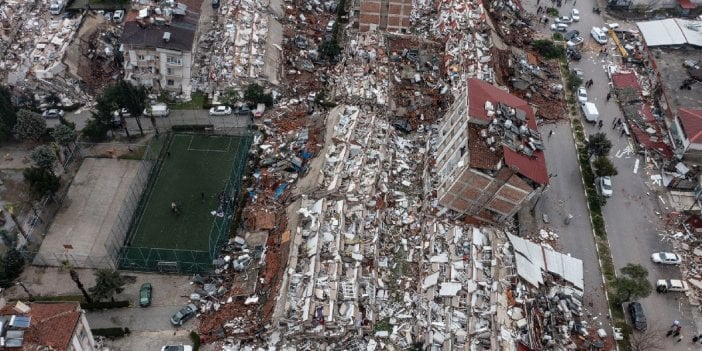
196 340
189 127
110 332
103 305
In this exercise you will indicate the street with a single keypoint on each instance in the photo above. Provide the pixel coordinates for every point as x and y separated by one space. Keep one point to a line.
633 215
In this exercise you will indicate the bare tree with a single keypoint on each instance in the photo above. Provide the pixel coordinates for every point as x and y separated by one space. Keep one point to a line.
648 340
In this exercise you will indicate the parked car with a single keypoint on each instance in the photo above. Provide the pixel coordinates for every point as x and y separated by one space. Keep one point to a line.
604 184
575 15
183 314
53 113
559 27
145 295
573 54
638 318
124 112
582 94
671 285
575 41
578 73
221 110
564 19
118 16
177 348
571 34
666 258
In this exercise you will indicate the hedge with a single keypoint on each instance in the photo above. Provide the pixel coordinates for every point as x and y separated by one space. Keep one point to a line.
103 305
196 340
189 127
110 332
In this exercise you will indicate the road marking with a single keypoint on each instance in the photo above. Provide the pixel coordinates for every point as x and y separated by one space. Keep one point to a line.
626 152
636 166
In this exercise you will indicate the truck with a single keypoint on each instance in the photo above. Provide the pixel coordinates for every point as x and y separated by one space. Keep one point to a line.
672 285
157 110
590 112
56 7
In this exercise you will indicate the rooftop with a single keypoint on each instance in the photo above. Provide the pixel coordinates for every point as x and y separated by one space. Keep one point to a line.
506 129
148 27
669 63
691 120
51 324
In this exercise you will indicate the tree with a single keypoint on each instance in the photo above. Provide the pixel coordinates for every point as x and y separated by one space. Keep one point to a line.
8 115
107 283
648 340
41 181
74 276
12 266
125 95
231 97
44 157
330 49
632 284
548 49
598 144
29 125
95 130
604 167
64 135
255 94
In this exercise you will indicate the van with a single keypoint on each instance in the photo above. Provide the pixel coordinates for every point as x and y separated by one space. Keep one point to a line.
56 7
330 25
157 110
599 35
590 111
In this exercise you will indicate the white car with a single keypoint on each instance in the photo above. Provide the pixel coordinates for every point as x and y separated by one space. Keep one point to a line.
575 41
582 94
124 111
575 15
666 258
605 186
177 348
221 110
53 113
564 19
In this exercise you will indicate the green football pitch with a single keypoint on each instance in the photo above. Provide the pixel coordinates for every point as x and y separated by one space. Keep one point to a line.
194 171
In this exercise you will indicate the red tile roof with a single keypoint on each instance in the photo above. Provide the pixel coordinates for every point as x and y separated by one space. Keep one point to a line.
533 167
691 121
480 91
51 325
625 80
686 4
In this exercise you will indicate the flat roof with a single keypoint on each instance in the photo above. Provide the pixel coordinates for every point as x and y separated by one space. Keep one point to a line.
671 32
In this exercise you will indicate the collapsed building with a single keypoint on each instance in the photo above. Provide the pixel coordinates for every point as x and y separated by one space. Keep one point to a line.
490 156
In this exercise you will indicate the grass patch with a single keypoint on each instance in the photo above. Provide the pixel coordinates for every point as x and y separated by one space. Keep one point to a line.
383 325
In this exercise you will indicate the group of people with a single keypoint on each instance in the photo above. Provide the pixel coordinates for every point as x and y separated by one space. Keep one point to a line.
588 84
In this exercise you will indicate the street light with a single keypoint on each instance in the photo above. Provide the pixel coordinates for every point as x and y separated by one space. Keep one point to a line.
31 297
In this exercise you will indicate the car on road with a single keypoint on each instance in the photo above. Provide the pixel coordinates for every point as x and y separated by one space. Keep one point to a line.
575 41
564 19
666 258
123 111
183 314
53 113
221 110
575 15
573 54
571 34
582 94
604 184
560 27
671 285
638 318
177 348
145 294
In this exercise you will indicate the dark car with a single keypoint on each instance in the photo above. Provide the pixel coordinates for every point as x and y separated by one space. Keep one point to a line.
638 318
183 314
571 34
215 4
573 54
145 295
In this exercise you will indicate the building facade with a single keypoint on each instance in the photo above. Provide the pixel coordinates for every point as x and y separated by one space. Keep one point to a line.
489 159
158 48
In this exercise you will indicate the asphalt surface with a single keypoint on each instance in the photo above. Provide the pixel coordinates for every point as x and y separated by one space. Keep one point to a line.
633 216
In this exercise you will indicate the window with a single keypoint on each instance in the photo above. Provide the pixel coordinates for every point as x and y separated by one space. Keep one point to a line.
173 60
169 71
141 57
170 82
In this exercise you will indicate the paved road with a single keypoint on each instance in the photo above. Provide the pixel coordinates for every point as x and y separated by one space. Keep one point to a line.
632 214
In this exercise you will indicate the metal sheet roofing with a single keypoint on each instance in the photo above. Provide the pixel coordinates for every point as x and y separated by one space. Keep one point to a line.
671 31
